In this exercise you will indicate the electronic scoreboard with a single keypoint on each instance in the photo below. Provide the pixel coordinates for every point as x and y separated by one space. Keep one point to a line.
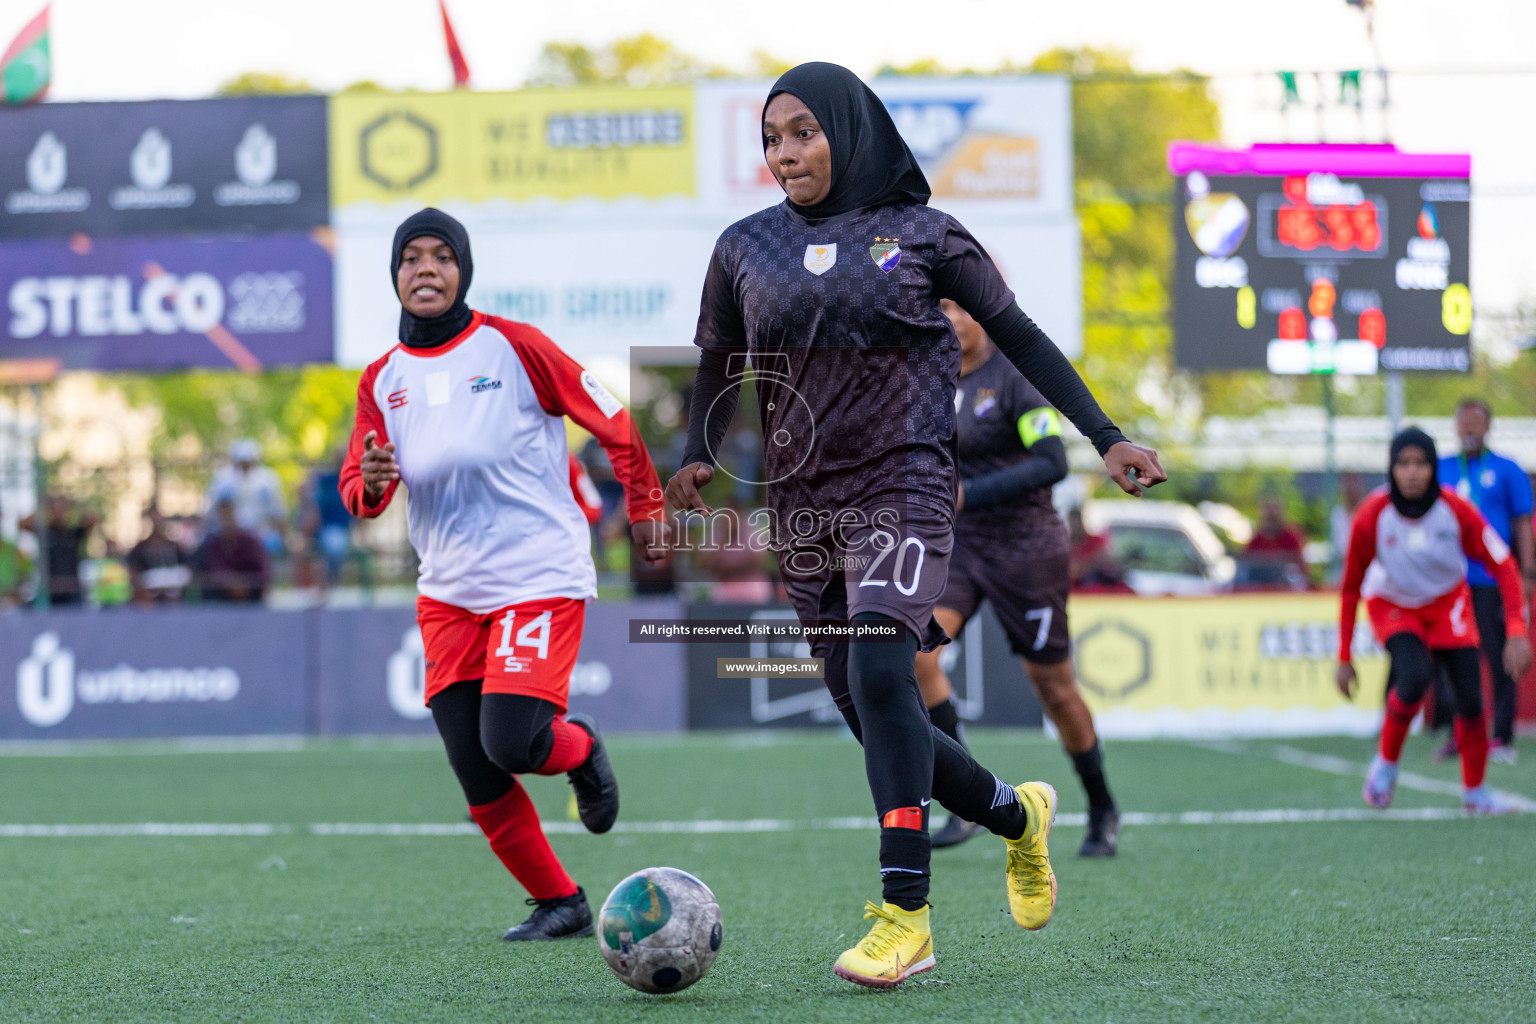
1321 259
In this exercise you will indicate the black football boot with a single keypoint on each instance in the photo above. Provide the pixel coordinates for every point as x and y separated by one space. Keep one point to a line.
955 831
593 781
1103 837
564 917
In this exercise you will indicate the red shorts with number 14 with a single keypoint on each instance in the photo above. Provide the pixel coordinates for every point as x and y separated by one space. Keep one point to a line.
527 649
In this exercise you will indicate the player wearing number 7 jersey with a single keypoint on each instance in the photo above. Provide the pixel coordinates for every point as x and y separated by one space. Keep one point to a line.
468 412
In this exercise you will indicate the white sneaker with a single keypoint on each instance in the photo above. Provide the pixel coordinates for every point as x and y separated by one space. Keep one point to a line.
1501 753
1482 800
1380 781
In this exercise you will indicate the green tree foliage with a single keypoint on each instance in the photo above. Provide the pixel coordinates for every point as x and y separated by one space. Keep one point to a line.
640 60
264 83
301 415
1122 123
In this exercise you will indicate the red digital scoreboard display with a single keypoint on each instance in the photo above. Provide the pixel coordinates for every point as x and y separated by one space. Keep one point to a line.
1321 259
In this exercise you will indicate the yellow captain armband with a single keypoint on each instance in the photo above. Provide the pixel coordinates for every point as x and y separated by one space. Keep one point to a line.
1037 424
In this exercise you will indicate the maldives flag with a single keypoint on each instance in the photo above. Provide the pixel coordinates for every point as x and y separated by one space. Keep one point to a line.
455 53
25 68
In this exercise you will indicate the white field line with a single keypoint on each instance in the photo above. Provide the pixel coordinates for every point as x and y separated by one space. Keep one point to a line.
749 826
1352 769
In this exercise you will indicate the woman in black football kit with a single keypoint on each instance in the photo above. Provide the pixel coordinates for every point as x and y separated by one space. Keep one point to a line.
835 294
1011 548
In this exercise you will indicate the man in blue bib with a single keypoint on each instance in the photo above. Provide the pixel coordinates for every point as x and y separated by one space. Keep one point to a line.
1502 493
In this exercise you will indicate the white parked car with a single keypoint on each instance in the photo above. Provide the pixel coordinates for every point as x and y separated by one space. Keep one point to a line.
1165 547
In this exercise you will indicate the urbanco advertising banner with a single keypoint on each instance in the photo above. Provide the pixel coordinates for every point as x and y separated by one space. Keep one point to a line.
188 672
372 672
169 301
603 143
246 163
1239 665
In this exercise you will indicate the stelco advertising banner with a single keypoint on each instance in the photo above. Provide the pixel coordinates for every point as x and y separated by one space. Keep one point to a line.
170 301
1246 665
593 212
255 163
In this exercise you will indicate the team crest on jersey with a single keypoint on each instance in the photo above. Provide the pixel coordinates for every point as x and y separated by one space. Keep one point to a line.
886 252
820 258
986 401
480 382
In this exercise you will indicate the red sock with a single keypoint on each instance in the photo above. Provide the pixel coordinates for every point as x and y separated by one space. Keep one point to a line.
1394 729
572 745
1472 741
512 826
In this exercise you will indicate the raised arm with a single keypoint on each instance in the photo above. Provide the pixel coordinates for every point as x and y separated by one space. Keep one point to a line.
966 274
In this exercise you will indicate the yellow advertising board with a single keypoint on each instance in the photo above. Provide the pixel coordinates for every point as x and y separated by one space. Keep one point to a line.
599 143
1245 663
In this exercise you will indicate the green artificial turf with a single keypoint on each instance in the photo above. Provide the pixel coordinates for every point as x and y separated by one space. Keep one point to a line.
1326 921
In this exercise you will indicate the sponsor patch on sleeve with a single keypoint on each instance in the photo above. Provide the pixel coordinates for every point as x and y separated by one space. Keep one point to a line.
1037 424
605 402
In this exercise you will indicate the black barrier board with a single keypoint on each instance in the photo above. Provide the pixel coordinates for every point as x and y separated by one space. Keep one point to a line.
151 168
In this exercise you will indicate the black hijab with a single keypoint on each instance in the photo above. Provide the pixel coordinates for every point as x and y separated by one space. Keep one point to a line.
1413 437
416 332
871 164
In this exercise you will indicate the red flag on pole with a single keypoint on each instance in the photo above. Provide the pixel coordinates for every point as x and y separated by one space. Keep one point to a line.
455 52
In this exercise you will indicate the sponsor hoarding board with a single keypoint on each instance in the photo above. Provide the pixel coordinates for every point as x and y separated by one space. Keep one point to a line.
372 672
246 163
1243 665
604 143
600 236
990 686
170 301
1321 259
211 672
189 672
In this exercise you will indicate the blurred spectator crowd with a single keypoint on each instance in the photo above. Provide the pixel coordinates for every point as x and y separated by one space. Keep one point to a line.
226 554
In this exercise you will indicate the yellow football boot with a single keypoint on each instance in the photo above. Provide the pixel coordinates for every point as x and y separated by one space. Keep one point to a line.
898 946
1031 882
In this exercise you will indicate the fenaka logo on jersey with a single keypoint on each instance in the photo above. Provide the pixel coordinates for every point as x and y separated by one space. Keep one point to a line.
480 382
397 398
886 252
820 258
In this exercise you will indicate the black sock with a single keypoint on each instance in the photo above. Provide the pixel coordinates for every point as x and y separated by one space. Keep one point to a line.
905 887
946 718
965 788
1090 769
898 757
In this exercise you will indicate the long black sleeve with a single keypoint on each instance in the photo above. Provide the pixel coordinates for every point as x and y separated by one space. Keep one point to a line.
714 399
1042 364
1043 465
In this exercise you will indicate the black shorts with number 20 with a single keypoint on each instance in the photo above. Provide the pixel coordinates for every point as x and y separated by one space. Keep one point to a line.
892 560
1028 591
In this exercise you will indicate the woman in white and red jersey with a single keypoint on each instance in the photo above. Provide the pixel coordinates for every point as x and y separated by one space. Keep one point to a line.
468 411
1408 551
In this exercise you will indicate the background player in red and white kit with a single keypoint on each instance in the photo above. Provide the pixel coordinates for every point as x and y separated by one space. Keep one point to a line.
468 411
1011 548
1408 550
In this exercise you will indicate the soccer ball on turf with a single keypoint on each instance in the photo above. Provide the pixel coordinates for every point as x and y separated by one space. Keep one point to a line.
659 930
